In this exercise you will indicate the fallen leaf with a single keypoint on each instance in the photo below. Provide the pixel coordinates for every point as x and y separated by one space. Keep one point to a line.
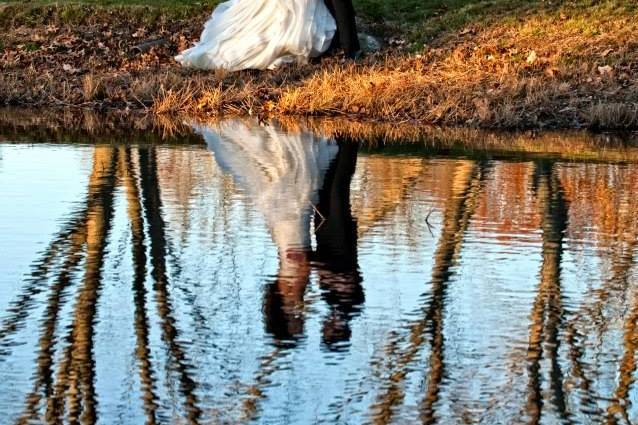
606 52
531 58
552 71
70 69
605 70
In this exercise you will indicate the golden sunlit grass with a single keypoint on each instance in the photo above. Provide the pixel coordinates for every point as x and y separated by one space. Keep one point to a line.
530 65
577 64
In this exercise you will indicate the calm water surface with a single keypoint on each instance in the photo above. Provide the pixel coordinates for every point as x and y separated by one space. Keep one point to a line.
277 277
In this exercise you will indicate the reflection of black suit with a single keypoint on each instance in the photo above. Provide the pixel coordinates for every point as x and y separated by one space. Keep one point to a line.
346 35
336 255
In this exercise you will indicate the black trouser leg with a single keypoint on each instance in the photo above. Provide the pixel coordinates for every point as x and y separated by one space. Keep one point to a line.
343 12
335 40
336 258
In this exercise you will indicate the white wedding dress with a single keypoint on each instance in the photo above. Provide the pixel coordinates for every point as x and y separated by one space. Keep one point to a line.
261 34
281 172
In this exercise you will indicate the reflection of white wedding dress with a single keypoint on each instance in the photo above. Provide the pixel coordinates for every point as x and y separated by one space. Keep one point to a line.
261 34
281 172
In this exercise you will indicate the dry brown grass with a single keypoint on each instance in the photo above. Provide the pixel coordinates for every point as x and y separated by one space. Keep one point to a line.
92 88
617 116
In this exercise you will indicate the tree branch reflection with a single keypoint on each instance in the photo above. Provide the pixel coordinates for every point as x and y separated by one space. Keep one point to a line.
156 229
142 350
467 182
547 313
76 371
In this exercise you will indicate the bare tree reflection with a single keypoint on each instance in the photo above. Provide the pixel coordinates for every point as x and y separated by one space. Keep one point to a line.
70 392
43 386
467 182
624 241
99 201
142 349
621 404
594 317
547 311
63 245
156 229
628 363
76 372
301 183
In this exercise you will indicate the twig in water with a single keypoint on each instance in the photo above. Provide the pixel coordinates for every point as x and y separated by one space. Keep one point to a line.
323 219
427 221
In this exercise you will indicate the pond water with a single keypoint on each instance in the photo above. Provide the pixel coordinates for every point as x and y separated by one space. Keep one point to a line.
279 276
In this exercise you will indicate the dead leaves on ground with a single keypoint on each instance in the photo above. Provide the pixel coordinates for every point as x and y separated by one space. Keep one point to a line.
103 45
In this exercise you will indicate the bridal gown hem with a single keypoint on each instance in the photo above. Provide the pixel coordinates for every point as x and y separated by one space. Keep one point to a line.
261 34
280 172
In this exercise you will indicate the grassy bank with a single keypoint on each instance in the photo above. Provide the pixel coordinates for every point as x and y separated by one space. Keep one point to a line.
480 63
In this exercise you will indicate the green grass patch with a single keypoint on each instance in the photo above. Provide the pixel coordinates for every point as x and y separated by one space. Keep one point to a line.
75 12
419 21
169 4
422 20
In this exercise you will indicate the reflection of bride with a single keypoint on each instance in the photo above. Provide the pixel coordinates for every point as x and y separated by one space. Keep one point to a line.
280 172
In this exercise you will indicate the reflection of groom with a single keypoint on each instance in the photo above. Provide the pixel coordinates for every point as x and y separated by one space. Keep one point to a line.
336 253
346 36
